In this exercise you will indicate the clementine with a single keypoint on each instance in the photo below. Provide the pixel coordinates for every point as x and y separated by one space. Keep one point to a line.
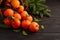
21 9
8 12
17 15
34 27
25 24
24 14
29 18
15 3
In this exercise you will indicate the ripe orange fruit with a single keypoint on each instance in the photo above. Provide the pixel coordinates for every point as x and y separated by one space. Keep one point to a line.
25 24
17 15
7 21
16 23
8 12
8 0
21 9
29 18
15 3
6 3
24 14
34 27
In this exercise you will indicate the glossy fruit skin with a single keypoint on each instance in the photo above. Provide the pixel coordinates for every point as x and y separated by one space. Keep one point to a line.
29 18
34 27
21 9
8 12
25 24
24 14
7 21
16 23
17 15
15 3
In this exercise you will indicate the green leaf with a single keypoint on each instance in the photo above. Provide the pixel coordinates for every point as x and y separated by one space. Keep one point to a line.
42 27
37 20
16 30
24 33
42 1
37 7
41 15
47 12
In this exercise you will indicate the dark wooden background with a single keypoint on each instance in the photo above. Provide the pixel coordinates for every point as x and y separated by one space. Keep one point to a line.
52 26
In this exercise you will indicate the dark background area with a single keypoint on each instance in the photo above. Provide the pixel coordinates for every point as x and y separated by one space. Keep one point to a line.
51 31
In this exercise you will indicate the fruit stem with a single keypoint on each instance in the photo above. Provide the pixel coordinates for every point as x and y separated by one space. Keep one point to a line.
27 15
26 4
22 2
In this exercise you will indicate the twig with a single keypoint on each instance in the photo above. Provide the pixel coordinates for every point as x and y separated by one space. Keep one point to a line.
1 14
1 1
26 4
22 1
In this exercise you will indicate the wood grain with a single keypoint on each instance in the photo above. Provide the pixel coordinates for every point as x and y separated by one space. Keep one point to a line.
52 26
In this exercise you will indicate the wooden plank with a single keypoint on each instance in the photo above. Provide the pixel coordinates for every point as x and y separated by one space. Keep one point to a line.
52 24
52 27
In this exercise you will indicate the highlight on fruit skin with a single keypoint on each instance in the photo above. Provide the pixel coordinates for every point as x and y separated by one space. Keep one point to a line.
29 17
15 3
34 27
17 16
8 12
16 23
20 9
24 14
25 24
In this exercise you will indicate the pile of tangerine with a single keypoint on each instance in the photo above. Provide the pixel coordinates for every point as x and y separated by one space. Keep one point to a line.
18 18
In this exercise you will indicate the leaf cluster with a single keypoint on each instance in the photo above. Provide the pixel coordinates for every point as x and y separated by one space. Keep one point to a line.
38 7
